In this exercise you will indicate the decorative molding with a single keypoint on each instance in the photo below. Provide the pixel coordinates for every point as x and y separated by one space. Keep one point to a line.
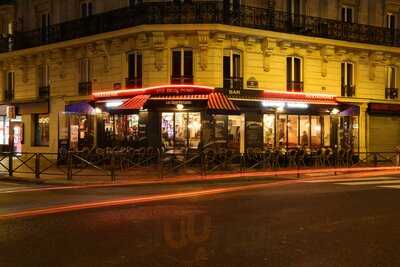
375 59
158 46
219 37
58 57
284 44
203 37
103 48
267 47
24 63
235 40
250 43
327 52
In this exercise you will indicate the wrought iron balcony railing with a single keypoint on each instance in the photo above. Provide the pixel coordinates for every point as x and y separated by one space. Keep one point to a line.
392 93
295 86
44 92
181 79
348 90
85 88
133 82
209 12
233 83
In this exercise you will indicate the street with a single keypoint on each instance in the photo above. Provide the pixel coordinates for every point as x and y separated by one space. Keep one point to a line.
336 222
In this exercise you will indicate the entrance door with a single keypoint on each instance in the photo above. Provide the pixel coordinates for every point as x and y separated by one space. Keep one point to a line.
18 136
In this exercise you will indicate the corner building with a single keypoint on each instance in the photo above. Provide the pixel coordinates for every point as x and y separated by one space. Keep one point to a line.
86 73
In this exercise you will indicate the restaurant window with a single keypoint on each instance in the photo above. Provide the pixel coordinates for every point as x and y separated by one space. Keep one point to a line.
347 79
315 131
293 128
220 125
4 130
180 129
294 74
182 66
391 21
347 14
86 9
327 130
281 130
269 130
84 70
134 70
41 129
232 69
305 130
234 125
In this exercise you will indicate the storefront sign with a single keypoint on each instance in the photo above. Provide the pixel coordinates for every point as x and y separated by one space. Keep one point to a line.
252 83
182 102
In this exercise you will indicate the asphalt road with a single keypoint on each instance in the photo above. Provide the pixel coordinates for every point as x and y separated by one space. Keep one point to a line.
299 224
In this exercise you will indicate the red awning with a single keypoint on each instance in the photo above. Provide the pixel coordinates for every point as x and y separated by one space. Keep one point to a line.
315 99
179 97
135 103
218 102
384 108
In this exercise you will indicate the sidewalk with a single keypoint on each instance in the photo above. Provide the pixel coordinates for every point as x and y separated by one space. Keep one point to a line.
146 179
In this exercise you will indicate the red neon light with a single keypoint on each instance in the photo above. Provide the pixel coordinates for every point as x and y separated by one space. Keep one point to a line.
297 96
157 90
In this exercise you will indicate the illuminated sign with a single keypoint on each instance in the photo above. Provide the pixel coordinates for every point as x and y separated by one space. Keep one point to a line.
281 105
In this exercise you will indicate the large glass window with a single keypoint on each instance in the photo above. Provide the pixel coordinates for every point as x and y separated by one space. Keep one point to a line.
347 78
281 130
391 21
327 130
84 70
292 130
4 130
347 14
180 129
269 130
86 9
234 123
41 129
305 130
315 131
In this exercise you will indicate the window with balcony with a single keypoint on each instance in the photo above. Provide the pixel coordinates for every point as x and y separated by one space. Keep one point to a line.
182 66
9 91
391 91
294 72
347 14
294 7
85 84
86 9
43 81
347 79
134 79
45 26
133 3
233 79
391 21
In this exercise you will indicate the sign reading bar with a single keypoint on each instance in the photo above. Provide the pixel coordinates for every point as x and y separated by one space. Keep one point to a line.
182 102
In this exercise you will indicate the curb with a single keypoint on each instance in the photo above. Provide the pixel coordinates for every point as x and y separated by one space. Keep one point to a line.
215 178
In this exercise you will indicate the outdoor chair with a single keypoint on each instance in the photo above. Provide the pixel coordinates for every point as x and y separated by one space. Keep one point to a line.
292 158
300 157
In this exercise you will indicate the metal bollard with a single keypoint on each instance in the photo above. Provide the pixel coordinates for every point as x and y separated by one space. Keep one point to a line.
37 166
69 165
10 164
112 171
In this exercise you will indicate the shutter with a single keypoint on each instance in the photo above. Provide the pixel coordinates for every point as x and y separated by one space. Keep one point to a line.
176 63
188 63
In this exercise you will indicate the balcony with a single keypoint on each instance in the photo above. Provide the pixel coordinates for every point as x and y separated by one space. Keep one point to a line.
392 93
348 90
44 92
131 83
233 83
8 95
295 86
202 12
85 88
181 79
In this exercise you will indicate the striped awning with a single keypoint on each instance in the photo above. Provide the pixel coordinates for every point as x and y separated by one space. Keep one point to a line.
135 103
218 102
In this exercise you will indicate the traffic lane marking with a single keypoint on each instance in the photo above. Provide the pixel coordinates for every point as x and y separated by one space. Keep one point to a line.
350 179
139 200
370 183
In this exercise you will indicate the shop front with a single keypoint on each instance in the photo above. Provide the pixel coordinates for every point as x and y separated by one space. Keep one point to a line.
181 116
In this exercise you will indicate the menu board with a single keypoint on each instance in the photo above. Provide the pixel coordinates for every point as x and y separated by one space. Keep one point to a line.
254 134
